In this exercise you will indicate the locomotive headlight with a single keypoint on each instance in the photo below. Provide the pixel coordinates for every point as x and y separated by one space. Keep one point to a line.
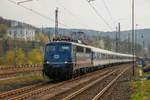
66 62
47 62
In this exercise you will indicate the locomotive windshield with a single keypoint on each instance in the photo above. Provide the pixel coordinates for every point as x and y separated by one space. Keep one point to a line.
60 48
64 48
50 48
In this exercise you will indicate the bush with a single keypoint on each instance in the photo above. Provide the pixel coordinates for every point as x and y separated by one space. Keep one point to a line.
34 57
2 60
9 57
20 57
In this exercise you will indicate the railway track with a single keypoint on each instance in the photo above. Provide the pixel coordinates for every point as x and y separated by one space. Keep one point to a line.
20 90
84 93
50 87
101 93
52 90
86 87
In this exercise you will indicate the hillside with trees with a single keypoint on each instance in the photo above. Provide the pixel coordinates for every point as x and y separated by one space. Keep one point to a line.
100 39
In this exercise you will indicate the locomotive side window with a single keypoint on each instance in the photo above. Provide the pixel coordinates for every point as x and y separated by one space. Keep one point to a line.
88 50
64 47
80 49
74 48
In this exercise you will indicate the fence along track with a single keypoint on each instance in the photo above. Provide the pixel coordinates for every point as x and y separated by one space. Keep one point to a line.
20 66
87 86
108 86
19 72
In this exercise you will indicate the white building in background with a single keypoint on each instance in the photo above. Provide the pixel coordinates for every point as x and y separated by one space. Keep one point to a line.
101 43
22 31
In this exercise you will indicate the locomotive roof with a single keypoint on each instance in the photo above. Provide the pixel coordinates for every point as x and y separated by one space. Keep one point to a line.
93 48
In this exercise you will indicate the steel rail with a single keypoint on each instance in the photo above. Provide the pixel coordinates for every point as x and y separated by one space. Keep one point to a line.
36 92
87 86
108 86
20 90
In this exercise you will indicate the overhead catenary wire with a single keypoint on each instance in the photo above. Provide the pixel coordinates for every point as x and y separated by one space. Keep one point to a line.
72 14
38 13
98 14
108 10
24 1
48 18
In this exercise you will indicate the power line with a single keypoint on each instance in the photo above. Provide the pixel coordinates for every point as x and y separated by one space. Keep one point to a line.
69 12
36 12
98 14
108 11
24 1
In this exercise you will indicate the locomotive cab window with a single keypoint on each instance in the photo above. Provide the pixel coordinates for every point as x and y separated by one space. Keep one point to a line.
50 48
64 48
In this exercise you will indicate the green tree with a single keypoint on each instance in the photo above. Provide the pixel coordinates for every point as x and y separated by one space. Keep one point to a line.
42 37
3 30
107 43
96 38
20 57
96 41
34 57
2 60
9 57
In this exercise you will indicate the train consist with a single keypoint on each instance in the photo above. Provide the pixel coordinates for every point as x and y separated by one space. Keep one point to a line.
64 60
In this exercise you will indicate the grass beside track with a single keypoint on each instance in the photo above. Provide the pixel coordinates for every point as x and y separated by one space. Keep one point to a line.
141 92
26 80
137 87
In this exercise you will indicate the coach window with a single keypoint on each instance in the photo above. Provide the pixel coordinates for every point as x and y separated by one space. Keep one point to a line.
99 55
106 56
111 56
103 56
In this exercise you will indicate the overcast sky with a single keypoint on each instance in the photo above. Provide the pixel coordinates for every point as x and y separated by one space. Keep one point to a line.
78 13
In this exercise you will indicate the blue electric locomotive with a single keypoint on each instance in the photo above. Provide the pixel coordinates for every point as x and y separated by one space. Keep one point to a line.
57 60
63 59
